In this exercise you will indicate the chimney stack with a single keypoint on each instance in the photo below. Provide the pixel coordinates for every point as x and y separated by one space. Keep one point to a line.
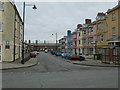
87 21
29 41
79 25
36 41
101 14
68 32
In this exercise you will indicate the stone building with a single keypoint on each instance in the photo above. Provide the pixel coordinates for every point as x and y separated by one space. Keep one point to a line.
10 32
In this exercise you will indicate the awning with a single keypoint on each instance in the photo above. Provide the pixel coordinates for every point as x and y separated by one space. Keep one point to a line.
115 39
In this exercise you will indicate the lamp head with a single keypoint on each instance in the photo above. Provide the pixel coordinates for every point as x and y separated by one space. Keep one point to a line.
34 7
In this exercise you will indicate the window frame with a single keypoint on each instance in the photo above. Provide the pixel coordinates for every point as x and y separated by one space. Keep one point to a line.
113 16
1 27
100 26
113 30
1 9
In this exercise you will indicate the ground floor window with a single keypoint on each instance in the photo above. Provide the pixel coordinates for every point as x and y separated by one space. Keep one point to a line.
83 51
91 51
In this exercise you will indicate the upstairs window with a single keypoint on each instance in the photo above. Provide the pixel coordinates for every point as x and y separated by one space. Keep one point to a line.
0 27
79 33
91 40
100 26
84 41
1 6
113 16
84 32
113 31
79 41
101 38
91 29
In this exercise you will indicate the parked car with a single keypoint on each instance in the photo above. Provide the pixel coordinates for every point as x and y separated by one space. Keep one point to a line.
33 54
76 57
58 54
36 52
63 54
46 51
66 55
53 52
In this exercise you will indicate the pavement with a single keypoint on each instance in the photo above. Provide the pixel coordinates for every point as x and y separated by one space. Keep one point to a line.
33 61
17 64
91 62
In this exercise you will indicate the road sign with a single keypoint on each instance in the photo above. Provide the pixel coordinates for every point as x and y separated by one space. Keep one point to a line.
7 42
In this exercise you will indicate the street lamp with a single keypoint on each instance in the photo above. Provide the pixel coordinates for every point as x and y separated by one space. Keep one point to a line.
23 23
56 40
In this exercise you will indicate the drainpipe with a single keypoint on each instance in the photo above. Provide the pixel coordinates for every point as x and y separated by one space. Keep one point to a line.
14 36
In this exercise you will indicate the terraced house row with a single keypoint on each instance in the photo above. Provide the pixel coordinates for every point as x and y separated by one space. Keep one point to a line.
90 38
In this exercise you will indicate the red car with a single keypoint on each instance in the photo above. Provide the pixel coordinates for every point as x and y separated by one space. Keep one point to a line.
76 57
33 54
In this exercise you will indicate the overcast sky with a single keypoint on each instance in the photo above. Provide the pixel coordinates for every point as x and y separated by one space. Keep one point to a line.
58 17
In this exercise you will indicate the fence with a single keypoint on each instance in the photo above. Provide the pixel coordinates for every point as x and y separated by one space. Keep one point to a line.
111 54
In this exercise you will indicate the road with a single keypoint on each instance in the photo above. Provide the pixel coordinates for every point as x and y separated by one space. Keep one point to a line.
55 72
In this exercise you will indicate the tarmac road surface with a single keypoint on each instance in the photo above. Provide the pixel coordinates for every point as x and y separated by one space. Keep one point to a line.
55 72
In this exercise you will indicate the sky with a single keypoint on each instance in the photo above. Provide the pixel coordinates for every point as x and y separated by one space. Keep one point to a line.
58 17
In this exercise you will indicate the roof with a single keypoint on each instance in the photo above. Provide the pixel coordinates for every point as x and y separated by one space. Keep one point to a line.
110 47
114 8
44 44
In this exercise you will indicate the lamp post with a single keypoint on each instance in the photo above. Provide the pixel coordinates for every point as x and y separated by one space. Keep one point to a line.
56 40
23 24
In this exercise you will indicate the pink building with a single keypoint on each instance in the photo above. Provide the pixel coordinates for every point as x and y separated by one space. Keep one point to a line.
91 38
74 42
85 36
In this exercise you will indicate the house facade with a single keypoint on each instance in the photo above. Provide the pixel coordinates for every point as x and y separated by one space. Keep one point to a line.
101 31
91 36
113 19
10 32
74 42
85 37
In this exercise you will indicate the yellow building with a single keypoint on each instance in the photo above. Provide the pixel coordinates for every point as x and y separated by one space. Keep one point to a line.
113 20
108 28
101 31
10 32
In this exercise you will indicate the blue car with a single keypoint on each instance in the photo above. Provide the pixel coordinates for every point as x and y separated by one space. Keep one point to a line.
53 52
58 54
66 55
